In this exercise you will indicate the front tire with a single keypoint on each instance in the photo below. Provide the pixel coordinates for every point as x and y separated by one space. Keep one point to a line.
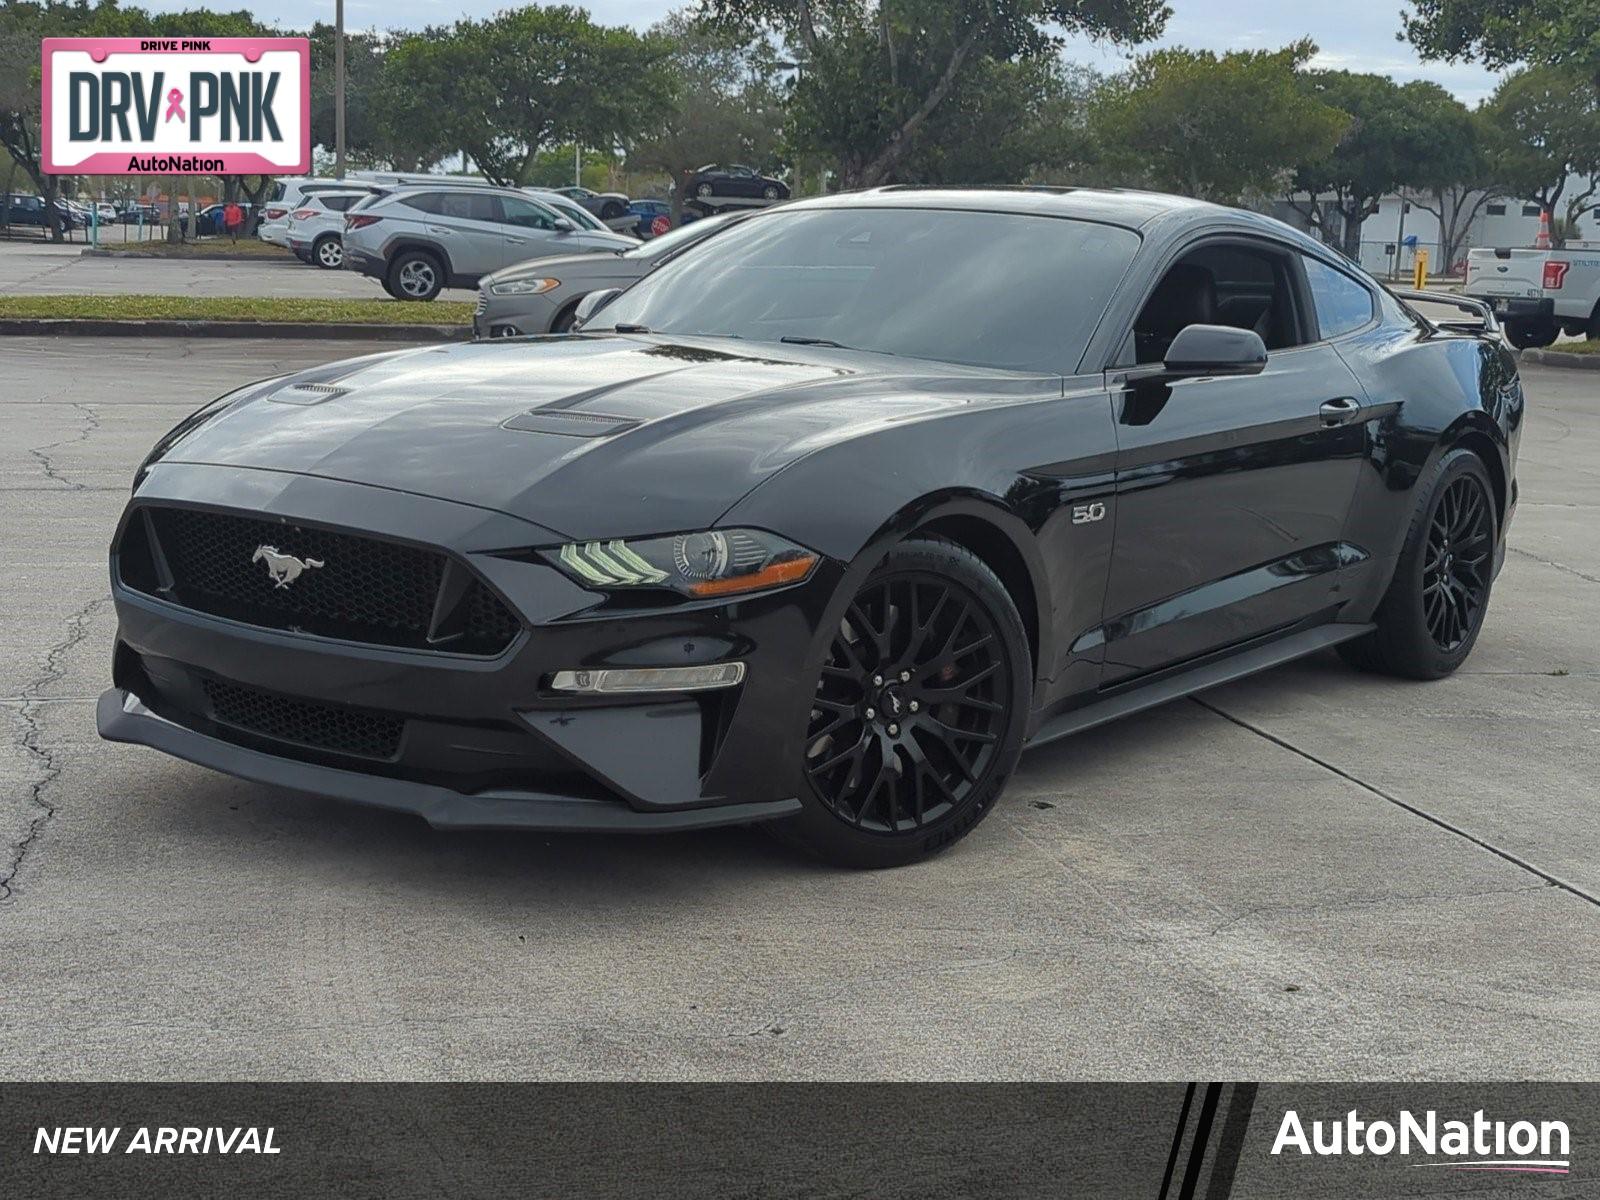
1429 619
919 714
703 191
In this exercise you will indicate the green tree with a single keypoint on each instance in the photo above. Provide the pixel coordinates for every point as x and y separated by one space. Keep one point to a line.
1017 119
725 104
1457 181
502 89
1504 33
1394 139
1547 124
1220 127
873 76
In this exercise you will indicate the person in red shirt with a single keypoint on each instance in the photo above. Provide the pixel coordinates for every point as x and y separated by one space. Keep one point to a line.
232 219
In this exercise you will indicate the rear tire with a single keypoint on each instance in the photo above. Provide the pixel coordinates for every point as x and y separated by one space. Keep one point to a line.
328 252
1428 621
414 275
1531 335
919 714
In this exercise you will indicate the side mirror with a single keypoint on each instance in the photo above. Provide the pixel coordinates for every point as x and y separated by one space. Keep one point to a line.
562 225
1200 350
592 303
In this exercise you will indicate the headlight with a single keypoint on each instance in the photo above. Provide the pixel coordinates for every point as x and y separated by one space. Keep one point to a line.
720 562
524 287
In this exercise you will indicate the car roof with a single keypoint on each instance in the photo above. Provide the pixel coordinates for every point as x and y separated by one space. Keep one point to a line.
1153 214
406 189
1111 206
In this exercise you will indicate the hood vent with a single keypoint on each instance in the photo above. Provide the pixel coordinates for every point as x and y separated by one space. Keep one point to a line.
308 393
568 423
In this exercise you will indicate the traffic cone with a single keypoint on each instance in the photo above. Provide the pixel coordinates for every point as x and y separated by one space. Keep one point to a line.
1542 242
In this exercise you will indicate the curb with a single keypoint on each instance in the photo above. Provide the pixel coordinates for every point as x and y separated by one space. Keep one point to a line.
199 256
1562 358
314 330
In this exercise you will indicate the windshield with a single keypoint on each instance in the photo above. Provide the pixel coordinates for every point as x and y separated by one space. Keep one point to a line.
1011 291
676 239
576 213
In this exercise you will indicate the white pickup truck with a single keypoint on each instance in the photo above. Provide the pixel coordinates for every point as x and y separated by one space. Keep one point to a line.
1538 294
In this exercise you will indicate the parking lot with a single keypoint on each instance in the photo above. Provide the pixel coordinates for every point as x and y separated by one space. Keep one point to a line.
1312 874
36 268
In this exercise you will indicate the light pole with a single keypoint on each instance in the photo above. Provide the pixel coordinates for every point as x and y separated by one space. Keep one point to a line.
338 89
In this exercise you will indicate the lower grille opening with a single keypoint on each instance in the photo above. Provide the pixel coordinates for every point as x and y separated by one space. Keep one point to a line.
322 726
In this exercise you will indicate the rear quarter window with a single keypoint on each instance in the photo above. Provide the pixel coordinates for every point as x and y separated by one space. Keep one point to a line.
1342 304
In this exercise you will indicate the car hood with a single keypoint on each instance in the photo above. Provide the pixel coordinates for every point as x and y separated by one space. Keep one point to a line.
590 436
601 264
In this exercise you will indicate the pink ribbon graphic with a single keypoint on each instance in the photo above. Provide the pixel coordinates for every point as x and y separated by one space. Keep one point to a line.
175 105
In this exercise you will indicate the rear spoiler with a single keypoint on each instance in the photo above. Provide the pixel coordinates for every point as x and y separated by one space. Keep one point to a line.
1476 315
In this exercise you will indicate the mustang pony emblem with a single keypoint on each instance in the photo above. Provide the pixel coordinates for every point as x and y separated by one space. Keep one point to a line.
283 568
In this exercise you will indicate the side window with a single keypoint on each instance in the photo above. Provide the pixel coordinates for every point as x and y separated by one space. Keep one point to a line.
525 214
1342 303
428 202
1241 286
469 206
338 203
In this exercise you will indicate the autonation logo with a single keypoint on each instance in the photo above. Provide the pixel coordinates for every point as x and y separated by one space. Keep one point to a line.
1476 1145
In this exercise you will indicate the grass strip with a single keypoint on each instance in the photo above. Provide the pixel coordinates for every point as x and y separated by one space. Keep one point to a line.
236 308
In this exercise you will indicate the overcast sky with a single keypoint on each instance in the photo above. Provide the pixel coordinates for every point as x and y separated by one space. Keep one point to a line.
1356 35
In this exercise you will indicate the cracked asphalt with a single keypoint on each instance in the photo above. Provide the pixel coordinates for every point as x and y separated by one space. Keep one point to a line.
1308 875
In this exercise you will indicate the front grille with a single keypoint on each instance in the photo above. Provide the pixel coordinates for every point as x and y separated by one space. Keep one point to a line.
311 580
321 726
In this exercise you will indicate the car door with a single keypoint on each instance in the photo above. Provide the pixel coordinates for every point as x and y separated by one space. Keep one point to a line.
1232 492
468 225
528 230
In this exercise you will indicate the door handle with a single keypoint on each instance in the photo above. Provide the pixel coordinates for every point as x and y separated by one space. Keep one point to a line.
516 241
1340 411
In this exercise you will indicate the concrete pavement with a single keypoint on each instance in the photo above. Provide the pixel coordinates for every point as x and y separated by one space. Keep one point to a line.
34 268
1312 874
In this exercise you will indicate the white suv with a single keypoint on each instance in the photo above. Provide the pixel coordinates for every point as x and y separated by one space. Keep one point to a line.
416 240
290 194
315 230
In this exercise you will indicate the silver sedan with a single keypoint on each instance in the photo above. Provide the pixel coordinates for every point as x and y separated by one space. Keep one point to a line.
540 296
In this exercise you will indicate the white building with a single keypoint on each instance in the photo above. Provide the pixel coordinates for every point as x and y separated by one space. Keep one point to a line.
1391 236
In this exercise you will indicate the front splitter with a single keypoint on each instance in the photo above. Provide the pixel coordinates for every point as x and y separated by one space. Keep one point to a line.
122 717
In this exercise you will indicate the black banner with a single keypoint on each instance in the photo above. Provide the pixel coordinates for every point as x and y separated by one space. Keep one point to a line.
1158 1142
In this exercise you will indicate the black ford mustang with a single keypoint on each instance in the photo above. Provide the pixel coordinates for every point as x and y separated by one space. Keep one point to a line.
820 525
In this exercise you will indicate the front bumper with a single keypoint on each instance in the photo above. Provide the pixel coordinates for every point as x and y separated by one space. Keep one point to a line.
513 316
123 717
484 741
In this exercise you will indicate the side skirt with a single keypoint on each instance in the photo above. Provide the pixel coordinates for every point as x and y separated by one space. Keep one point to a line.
1195 679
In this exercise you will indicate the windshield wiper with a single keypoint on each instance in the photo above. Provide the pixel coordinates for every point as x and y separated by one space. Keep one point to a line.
628 327
811 341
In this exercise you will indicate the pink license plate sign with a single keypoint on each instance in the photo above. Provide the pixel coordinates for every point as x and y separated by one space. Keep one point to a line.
177 106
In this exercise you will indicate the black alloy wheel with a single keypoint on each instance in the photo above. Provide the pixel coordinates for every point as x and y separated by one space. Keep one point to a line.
1429 618
1455 568
918 715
